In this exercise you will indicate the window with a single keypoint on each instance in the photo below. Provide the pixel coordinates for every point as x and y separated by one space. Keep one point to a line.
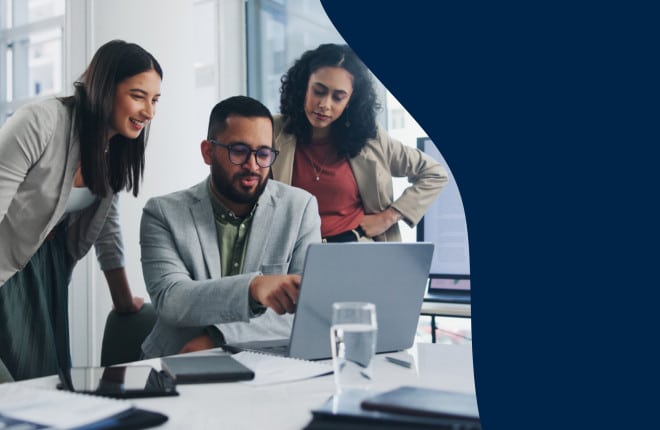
31 51
278 32
397 119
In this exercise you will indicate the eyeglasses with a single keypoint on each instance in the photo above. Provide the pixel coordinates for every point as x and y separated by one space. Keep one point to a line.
239 153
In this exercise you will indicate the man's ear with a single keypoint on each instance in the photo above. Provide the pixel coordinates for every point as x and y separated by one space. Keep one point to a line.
207 151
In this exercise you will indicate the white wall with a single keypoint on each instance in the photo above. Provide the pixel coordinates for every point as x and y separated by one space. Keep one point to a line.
166 29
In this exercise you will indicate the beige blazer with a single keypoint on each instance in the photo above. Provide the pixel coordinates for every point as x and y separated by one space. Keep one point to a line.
374 167
39 155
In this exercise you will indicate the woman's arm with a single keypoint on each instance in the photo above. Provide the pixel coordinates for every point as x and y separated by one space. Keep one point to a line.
110 254
426 176
122 298
379 223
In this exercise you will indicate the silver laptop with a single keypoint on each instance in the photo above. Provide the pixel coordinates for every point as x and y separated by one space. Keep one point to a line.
392 275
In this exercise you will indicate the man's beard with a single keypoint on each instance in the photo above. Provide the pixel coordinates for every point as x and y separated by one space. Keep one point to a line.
224 185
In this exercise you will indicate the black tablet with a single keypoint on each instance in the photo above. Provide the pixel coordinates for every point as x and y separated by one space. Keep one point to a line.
118 381
205 368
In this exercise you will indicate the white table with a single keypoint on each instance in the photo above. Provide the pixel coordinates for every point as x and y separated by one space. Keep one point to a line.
288 405
442 309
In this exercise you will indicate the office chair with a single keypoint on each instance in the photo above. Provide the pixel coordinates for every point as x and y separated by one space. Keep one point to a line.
124 334
5 376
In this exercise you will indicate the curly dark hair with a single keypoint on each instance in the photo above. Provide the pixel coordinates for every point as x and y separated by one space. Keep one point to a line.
360 114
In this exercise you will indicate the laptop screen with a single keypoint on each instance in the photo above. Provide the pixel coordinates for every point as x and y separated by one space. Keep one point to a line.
391 275
448 288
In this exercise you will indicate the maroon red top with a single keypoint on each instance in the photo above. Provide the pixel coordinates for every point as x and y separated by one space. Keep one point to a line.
318 169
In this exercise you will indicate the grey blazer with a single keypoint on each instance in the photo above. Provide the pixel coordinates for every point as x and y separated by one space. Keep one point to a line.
181 264
381 159
39 155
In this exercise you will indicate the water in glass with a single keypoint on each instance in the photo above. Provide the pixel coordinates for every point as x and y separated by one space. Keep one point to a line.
353 336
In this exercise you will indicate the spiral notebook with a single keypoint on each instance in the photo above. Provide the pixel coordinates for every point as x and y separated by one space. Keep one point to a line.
273 369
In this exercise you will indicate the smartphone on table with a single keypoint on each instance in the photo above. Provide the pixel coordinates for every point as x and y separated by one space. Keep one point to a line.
121 382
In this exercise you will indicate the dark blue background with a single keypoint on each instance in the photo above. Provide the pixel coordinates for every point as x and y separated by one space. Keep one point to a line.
548 117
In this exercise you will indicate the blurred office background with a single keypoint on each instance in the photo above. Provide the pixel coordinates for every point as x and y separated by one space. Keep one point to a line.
209 50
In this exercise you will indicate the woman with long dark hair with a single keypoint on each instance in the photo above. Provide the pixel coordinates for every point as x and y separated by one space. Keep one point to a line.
330 145
63 162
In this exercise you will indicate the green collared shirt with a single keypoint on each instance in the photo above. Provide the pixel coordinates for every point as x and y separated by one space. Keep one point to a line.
233 233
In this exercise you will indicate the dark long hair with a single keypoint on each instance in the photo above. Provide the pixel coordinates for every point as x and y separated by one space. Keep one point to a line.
93 103
357 123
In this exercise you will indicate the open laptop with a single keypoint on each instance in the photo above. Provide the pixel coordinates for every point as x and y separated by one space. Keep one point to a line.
391 275
448 288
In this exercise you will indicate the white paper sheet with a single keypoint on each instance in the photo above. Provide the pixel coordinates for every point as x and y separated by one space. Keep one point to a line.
54 408
272 369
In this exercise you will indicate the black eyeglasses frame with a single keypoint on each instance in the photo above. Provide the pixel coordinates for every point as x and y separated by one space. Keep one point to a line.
274 153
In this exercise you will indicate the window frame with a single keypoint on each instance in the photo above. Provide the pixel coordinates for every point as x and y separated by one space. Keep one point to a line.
9 36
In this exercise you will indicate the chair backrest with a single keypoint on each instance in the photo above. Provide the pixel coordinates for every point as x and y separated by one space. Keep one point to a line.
124 334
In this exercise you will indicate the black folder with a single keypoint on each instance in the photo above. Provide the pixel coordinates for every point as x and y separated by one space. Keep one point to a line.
132 419
205 368
425 402
344 411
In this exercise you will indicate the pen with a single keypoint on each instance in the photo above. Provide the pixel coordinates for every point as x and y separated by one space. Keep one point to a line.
396 361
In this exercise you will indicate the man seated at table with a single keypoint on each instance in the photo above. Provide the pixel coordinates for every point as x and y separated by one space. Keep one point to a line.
222 260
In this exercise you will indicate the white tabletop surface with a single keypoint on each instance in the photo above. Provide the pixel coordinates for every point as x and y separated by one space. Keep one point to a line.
288 405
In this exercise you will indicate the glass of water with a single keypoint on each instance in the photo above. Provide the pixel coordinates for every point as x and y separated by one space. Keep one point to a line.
353 337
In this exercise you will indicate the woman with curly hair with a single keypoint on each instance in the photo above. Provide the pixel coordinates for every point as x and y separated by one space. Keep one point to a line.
330 145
